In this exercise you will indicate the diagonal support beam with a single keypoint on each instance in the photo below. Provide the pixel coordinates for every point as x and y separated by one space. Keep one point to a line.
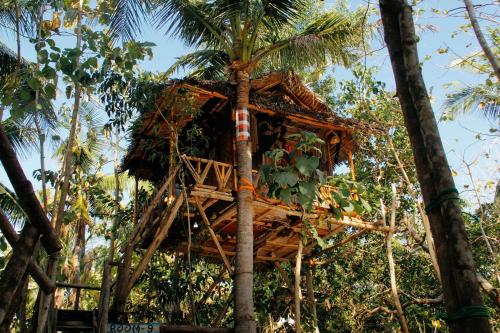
159 237
46 284
213 235
27 197
149 211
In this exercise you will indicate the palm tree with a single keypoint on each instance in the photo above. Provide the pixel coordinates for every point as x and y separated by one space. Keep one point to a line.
235 38
481 98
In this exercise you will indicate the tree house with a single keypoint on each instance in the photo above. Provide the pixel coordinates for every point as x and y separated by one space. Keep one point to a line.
186 146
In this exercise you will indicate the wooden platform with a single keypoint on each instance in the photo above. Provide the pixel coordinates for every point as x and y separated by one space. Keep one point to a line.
213 218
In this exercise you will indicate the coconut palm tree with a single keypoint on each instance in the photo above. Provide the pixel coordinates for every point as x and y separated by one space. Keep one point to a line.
234 38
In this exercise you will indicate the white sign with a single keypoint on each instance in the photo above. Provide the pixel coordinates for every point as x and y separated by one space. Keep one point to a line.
133 328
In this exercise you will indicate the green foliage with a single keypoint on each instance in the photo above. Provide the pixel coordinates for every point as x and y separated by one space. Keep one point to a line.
294 177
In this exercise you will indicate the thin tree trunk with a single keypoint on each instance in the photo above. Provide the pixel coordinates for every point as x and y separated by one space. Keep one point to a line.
106 280
244 312
46 301
458 274
106 289
423 215
18 34
392 265
297 295
481 219
310 297
480 38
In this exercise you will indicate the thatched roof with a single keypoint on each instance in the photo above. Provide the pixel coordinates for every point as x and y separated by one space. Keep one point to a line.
280 94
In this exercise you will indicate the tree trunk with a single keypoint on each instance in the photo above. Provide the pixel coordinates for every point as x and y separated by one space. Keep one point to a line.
46 301
244 312
106 289
392 265
460 285
480 38
297 294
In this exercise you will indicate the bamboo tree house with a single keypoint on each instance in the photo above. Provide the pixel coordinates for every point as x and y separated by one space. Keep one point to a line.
187 147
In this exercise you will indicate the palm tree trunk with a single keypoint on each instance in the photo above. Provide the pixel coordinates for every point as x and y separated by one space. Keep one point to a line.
244 312
480 38
460 285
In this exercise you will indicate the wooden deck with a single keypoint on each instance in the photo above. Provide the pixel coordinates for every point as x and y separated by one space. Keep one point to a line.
212 216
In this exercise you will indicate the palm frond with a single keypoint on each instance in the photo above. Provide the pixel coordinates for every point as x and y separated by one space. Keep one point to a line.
196 23
278 13
481 98
332 38
22 138
10 205
203 64
128 16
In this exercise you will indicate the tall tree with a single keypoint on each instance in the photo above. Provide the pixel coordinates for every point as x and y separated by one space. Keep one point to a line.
490 55
466 312
236 37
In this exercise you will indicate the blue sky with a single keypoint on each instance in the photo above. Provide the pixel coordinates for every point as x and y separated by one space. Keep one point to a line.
459 137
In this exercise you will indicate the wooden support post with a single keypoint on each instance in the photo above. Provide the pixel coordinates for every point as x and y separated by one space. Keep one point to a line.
310 297
160 235
392 265
298 292
34 270
213 235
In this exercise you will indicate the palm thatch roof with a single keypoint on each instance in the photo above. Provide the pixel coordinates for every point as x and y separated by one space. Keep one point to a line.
279 94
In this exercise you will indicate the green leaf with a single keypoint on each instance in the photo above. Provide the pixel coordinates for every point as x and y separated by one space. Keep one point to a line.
306 164
285 194
49 73
34 84
365 205
308 188
50 90
286 178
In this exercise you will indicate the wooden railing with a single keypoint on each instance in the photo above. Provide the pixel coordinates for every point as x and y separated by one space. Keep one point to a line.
217 174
